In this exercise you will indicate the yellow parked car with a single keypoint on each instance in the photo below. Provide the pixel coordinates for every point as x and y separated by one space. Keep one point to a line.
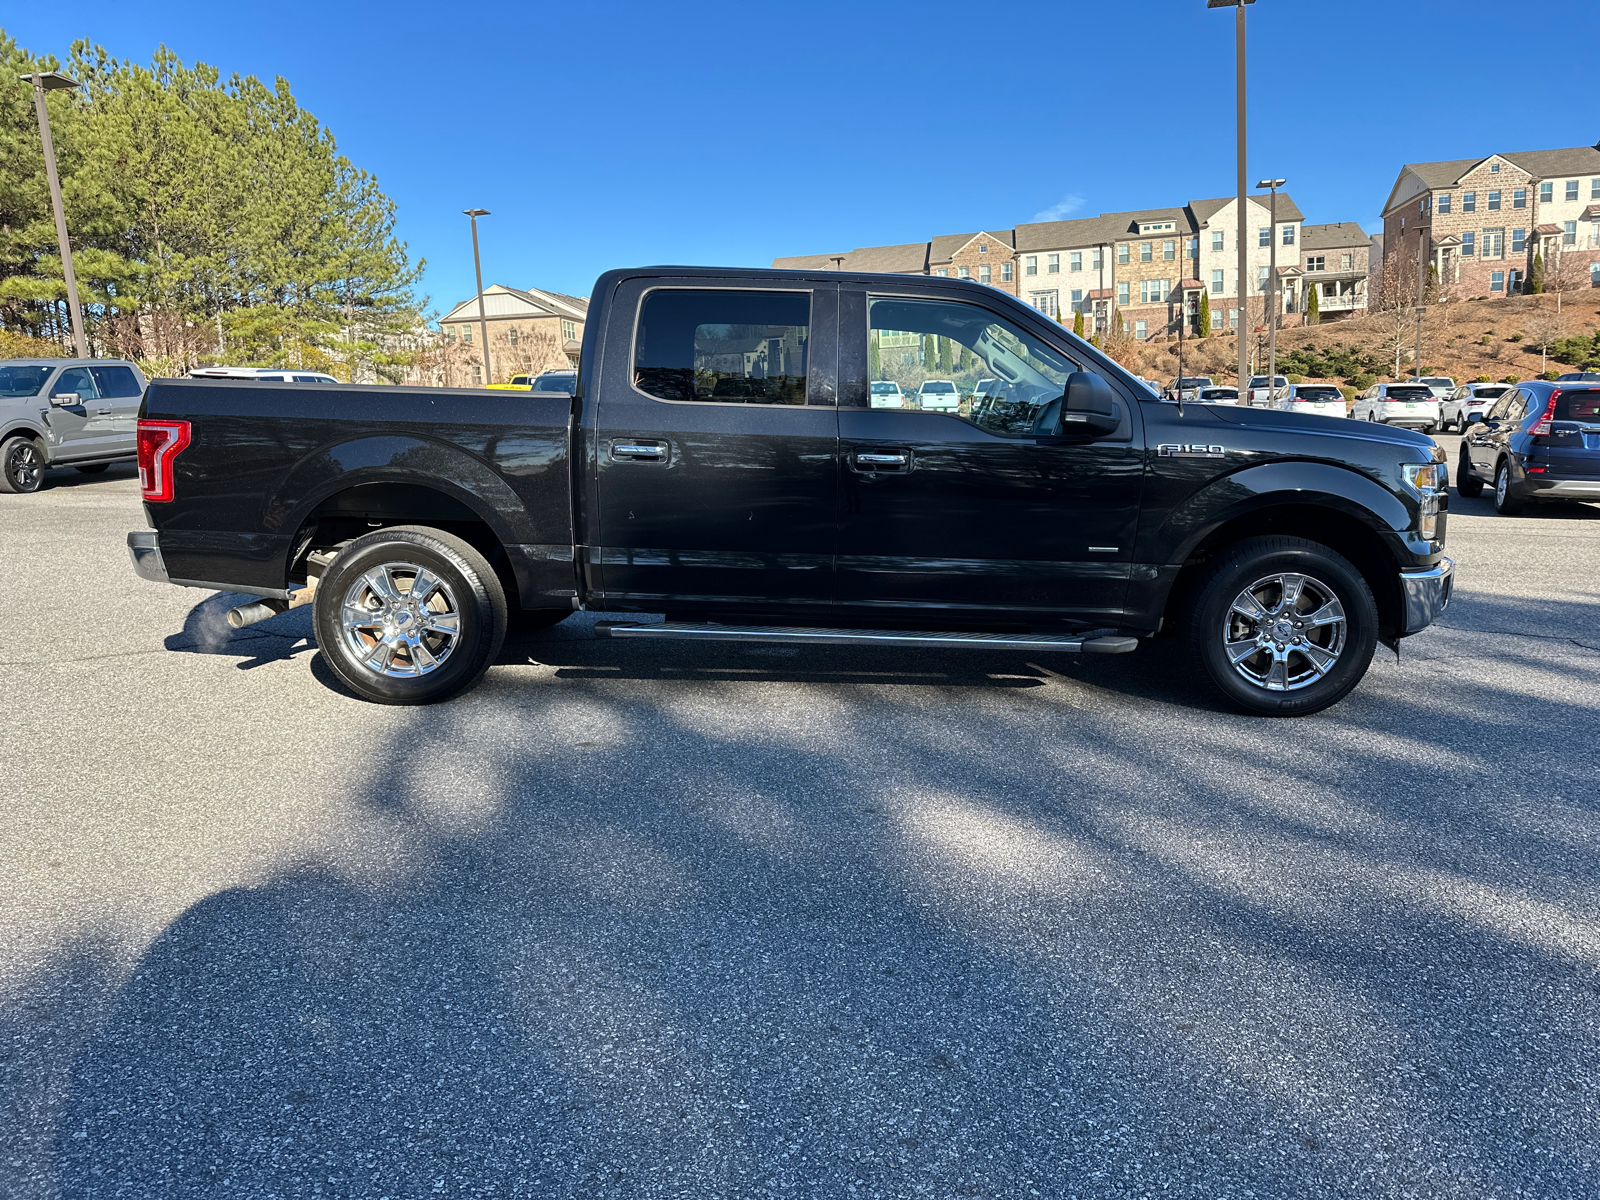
521 383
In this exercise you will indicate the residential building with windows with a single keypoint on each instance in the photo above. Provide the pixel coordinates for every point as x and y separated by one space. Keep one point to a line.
1334 260
987 256
530 330
1479 222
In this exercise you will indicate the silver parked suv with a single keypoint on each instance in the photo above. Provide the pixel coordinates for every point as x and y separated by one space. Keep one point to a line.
65 412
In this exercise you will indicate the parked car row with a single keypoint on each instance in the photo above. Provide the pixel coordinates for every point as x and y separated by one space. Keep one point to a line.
72 412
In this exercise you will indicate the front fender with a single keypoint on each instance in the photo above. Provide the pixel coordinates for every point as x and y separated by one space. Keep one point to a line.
397 458
1233 496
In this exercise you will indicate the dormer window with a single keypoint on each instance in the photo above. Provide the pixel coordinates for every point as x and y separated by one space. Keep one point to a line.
1494 168
982 248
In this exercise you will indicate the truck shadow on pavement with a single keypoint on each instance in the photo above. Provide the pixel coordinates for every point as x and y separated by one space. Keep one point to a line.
813 931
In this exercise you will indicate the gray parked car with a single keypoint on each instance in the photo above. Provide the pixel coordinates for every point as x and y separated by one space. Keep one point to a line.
65 412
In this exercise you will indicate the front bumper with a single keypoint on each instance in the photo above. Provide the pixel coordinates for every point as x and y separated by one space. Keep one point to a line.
145 550
1426 595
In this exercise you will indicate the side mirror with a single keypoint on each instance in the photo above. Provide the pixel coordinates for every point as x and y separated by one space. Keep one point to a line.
64 400
1088 406
1473 418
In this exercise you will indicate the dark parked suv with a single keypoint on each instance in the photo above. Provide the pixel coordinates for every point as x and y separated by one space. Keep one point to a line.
1540 441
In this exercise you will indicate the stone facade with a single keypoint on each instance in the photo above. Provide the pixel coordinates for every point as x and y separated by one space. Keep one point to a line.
529 331
987 257
1479 223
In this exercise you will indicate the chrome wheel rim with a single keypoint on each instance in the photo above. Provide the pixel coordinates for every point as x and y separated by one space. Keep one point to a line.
400 619
1500 482
1284 632
24 466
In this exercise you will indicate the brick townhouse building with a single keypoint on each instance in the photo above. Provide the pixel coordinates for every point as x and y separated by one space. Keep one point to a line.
1480 221
530 330
1143 264
1335 260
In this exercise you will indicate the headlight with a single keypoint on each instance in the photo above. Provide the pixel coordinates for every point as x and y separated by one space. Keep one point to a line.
1425 479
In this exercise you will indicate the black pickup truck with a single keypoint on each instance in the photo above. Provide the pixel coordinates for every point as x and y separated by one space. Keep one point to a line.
727 463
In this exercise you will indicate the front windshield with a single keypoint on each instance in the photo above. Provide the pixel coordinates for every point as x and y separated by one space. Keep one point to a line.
16 382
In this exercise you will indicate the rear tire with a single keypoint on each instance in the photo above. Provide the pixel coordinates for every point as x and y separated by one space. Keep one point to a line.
1505 503
22 463
1468 485
1255 662
391 647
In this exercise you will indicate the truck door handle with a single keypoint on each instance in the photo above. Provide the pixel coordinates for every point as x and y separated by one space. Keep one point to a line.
102 412
882 462
638 452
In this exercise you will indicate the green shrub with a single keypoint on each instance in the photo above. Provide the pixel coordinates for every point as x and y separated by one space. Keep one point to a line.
1551 375
1485 339
1349 393
1295 378
1512 379
1362 381
1480 379
1581 351
1335 362
1515 337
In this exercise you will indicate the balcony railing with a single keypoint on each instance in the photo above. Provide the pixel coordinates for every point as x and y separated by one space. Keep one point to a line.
1342 303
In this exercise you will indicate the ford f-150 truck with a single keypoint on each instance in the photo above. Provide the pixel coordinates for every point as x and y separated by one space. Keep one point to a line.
721 464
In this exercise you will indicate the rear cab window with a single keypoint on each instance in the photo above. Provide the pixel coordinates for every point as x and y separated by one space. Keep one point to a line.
723 347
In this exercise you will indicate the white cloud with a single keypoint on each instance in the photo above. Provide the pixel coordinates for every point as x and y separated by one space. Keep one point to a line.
1061 210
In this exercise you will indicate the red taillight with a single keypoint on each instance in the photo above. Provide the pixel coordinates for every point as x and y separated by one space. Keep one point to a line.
159 443
1542 429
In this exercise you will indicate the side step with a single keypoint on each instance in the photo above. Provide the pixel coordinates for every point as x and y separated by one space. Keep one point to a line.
1095 641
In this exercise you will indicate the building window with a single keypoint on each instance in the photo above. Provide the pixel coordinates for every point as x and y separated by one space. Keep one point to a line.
1194 248
1233 317
1216 283
568 331
1594 189
1494 201
1547 193
1494 168
1572 189
1122 252
1052 265
1469 202
1494 244
1514 282
1443 203
1122 293
1094 258
983 273
1264 236
477 374
1005 272
1594 273
1216 239
1467 240
1141 330
1569 233
513 335
1288 235
983 247
1346 262
449 333
1519 198
1261 278
1030 265
1075 262
942 273
963 273
1146 252
1317 262
1519 241
1497 281
1045 302
1077 299
1169 251
466 334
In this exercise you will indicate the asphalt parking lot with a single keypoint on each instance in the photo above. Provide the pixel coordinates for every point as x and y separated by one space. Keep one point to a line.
652 921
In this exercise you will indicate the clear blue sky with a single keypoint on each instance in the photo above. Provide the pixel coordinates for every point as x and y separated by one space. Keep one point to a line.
605 134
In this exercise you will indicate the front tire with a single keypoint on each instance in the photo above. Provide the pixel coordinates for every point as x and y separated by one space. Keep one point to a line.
22 462
1505 503
390 644
1282 626
1468 485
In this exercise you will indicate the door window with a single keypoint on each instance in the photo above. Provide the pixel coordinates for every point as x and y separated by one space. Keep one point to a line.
116 382
724 347
996 375
76 379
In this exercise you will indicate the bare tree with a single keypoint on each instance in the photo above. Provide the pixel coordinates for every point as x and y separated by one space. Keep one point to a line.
1544 326
1566 272
1396 315
520 352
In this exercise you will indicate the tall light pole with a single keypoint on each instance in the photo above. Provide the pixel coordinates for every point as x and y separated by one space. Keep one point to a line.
483 321
1244 225
55 81
1272 288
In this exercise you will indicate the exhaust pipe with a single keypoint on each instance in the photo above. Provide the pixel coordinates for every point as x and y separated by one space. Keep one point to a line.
260 610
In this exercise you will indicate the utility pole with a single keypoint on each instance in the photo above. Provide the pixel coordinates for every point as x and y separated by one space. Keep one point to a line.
483 321
1422 287
54 81
1244 226
1271 298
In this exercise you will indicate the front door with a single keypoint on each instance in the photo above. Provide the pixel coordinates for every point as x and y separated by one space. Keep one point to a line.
85 427
715 449
972 511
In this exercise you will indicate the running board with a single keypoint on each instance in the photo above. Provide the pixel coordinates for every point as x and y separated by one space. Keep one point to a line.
1095 641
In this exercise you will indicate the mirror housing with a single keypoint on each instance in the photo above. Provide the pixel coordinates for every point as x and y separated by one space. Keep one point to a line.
65 400
1471 417
1088 408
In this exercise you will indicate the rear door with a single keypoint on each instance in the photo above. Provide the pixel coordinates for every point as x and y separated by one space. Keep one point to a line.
121 391
971 512
714 447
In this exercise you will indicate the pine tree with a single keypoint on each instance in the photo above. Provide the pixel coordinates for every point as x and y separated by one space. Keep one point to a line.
945 364
1204 319
966 360
875 364
1313 306
1536 275
1077 322
929 354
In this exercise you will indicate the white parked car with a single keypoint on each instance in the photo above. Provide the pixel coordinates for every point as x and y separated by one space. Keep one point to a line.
1262 396
1218 395
262 374
1440 385
887 394
1188 388
1318 399
938 395
1469 403
1410 404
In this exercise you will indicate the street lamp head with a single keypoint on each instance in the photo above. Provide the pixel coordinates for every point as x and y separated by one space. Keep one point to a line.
50 81
1227 3
1270 183
475 212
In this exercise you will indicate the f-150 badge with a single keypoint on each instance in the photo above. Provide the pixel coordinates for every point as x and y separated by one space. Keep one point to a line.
1177 450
